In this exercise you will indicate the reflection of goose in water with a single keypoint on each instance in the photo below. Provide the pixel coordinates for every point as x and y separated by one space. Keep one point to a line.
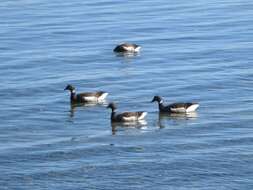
175 116
190 115
73 107
141 124
127 55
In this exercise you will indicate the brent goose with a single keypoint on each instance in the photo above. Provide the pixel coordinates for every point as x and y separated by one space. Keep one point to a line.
125 116
175 107
85 97
127 48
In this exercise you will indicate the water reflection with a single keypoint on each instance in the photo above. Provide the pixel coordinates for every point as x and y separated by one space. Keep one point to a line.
127 55
175 116
73 107
134 124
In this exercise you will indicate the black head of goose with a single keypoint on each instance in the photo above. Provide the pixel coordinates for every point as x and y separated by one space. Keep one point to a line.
125 116
127 48
180 107
85 97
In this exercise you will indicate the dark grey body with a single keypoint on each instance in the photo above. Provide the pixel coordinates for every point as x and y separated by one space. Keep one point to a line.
125 48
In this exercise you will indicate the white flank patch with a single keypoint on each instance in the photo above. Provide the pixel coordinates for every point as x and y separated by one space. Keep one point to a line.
178 110
142 116
103 96
137 49
90 98
192 108
132 118
128 48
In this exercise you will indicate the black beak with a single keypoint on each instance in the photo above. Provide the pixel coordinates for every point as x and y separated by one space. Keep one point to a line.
153 100
66 88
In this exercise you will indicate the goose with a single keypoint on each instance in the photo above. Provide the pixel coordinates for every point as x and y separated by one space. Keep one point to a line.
127 48
125 116
85 97
175 107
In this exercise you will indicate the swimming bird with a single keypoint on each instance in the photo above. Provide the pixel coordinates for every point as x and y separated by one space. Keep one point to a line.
127 48
125 116
85 97
175 107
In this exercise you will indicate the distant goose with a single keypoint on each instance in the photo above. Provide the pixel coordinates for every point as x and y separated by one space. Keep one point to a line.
175 107
125 116
85 97
127 48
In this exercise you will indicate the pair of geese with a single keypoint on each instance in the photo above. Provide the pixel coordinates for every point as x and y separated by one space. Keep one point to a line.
99 96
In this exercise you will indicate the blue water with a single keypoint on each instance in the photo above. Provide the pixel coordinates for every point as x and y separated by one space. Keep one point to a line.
191 51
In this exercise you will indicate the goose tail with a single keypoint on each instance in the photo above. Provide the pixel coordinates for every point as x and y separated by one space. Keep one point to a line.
103 96
192 107
137 49
142 115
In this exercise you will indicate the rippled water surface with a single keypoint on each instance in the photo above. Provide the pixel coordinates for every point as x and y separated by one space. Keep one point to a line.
191 51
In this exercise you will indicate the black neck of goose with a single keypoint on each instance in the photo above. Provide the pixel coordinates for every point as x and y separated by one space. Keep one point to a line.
113 113
160 104
72 95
